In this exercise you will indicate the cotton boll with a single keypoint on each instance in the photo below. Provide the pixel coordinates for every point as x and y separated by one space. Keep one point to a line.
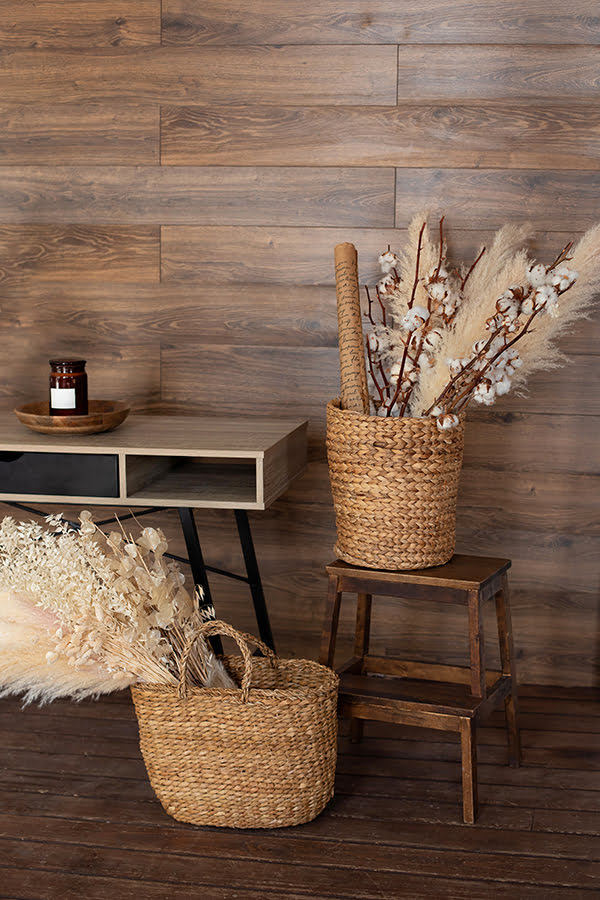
450 307
433 339
485 393
537 275
494 323
454 365
503 386
442 274
527 306
388 261
386 283
372 341
562 277
415 318
447 421
437 291
544 297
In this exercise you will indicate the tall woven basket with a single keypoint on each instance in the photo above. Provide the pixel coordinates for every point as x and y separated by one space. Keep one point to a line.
394 483
262 756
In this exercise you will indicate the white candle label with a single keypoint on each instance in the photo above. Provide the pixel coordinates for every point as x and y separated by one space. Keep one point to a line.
62 398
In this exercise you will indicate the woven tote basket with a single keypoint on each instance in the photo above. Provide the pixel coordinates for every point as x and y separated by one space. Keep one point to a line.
394 483
262 756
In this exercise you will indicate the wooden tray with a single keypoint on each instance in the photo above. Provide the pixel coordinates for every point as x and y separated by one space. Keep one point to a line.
103 415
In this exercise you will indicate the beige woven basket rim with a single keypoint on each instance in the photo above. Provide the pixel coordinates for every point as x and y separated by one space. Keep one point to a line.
330 681
231 693
397 421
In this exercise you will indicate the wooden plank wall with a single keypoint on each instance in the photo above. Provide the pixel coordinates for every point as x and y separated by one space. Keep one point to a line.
175 176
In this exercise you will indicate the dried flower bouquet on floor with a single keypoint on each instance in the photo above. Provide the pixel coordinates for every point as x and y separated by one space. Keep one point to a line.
439 337
83 613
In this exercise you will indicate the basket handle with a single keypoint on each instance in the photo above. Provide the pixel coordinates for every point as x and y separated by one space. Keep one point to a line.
216 626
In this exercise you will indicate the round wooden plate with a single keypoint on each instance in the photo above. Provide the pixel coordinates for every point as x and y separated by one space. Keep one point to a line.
103 415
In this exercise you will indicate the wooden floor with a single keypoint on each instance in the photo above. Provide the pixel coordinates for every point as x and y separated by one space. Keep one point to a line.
78 818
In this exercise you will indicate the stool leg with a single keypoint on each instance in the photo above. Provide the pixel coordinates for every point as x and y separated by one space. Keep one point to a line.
468 745
476 645
507 658
330 623
361 647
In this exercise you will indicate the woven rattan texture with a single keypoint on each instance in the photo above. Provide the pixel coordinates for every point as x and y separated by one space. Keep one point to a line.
394 483
267 763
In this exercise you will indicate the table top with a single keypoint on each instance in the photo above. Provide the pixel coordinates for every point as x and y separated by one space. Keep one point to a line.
159 435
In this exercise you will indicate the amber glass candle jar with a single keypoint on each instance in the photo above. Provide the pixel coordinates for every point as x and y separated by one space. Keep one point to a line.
68 387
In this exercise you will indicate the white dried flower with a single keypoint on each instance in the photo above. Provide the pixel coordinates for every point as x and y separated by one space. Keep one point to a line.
384 284
388 261
433 339
494 323
537 276
503 385
437 291
562 277
372 341
484 392
415 318
545 296
455 366
447 421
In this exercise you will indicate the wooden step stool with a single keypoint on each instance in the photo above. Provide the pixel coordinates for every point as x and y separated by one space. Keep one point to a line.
449 698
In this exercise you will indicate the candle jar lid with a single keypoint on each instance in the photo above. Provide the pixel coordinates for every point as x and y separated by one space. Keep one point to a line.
68 364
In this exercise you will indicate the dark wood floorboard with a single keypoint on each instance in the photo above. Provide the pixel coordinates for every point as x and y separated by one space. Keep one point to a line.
78 817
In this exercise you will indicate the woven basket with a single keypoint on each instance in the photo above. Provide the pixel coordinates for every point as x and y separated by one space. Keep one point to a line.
260 757
394 483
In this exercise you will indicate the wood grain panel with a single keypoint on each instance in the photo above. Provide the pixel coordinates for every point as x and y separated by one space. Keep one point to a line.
484 196
304 75
304 255
572 388
125 371
225 380
264 315
534 501
496 134
80 133
101 23
527 443
190 195
434 73
187 22
256 314
207 379
88 253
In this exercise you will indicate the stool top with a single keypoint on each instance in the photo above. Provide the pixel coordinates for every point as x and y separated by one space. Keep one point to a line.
465 572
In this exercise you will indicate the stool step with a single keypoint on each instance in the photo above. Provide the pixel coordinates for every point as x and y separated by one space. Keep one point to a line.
401 699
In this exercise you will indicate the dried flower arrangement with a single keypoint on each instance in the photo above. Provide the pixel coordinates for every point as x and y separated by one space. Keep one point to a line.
439 337
84 613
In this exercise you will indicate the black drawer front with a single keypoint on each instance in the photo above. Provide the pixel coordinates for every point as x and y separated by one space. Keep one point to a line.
65 474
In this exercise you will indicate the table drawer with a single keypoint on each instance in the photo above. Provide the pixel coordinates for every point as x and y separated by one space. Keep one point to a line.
64 474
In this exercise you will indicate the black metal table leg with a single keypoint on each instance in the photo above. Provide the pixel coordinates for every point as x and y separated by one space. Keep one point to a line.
256 589
190 533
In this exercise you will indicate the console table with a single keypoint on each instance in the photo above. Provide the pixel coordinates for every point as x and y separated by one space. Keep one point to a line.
161 462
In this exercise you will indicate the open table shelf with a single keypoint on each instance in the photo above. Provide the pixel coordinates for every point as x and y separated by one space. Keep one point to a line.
156 460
